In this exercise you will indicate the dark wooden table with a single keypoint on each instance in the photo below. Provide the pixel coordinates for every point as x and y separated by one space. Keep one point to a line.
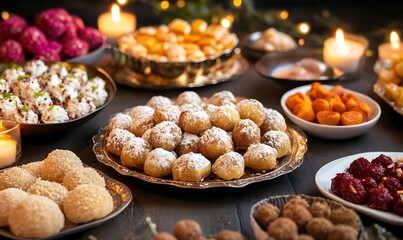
218 208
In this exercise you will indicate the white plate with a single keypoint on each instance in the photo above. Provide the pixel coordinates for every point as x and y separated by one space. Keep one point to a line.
323 179
333 132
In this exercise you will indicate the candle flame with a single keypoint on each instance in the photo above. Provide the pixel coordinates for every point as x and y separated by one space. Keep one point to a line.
394 40
115 13
340 41
304 28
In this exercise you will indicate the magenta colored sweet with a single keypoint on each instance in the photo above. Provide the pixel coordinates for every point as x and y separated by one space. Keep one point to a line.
92 36
55 45
32 39
11 51
53 22
71 32
74 47
48 54
12 27
78 22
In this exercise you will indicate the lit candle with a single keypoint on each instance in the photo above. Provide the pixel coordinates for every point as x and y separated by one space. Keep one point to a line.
115 23
8 152
394 46
10 147
342 53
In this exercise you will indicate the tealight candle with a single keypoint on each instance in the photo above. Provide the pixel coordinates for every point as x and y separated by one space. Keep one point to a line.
115 23
10 142
389 48
342 53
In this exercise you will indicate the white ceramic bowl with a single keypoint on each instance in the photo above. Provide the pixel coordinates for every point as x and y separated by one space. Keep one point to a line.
333 132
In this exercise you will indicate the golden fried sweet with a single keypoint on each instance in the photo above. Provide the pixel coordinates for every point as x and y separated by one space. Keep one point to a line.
52 190
9 197
266 214
328 117
85 175
188 97
117 139
260 157
34 168
179 26
273 121
135 152
16 177
245 133
225 117
189 143
120 120
166 135
158 101
278 140
140 111
159 163
304 111
58 163
219 98
194 121
198 26
167 113
141 124
187 229
229 166
86 203
175 53
214 142
36 217
251 109
191 167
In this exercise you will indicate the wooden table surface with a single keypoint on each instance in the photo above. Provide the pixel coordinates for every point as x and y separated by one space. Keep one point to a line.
218 208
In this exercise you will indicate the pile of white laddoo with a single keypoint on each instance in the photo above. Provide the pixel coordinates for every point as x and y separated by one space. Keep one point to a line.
36 198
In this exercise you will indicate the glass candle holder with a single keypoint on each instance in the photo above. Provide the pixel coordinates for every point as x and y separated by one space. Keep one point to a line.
10 142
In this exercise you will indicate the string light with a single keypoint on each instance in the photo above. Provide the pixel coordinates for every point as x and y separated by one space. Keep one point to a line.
284 15
122 2
5 15
237 3
304 28
180 3
301 42
164 5
227 21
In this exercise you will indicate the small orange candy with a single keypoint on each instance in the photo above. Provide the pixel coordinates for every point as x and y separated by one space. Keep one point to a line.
328 118
351 118
296 99
350 104
337 90
336 104
320 104
304 111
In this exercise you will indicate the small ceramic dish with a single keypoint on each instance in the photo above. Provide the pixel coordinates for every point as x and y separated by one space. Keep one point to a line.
333 132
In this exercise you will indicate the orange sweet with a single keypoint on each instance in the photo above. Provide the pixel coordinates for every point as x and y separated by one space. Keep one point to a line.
296 99
328 118
320 104
351 104
351 118
336 104
304 111
337 90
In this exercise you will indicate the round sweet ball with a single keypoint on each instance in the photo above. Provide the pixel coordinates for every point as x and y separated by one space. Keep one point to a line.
187 230
283 228
319 228
141 124
86 203
37 217
167 113
278 140
342 231
273 121
215 142
245 133
8 199
252 109
229 235
158 101
164 236
34 168
229 166
135 152
188 97
85 175
345 216
194 121
319 209
225 117
220 98
189 143
159 163
52 190
191 167
260 157
299 214
296 200
16 177
117 139
266 214
189 106
142 110
120 120
166 135
58 163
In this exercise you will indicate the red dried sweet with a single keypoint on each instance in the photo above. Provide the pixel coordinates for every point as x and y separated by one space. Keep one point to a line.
395 170
376 171
391 183
379 198
369 183
359 168
383 160
12 27
352 190
397 202
11 51
337 180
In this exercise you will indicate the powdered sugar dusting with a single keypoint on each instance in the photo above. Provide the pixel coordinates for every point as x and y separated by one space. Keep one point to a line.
259 151
160 159
191 161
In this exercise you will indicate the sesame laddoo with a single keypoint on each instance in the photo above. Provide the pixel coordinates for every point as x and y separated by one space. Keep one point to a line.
34 168
164 236
159 163
58 163
299 214
36 216
187 230
345 216
86 203
342 232
16 177
229 166
52 190
8 199
266 214
135 152
319 228
226 234
320 209
283 229
85 175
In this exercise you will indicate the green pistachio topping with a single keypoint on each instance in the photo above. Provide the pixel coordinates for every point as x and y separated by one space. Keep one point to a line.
51 108
13 66
39 94
22 77
25 108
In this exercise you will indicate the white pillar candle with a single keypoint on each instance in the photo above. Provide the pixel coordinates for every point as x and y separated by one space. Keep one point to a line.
8 152
10 142
115 23
342 53
392 47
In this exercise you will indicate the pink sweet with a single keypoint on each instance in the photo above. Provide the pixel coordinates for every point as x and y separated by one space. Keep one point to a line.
71 32
78 22
32 39
12 27
11 51
48 54
74 47
55 45
92 36
53 22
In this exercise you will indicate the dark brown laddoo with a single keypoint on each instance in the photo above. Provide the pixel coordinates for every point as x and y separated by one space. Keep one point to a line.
164 236
342 232
283 229
187 230
299 214
319 227
229 235
319 209
266 213
345 216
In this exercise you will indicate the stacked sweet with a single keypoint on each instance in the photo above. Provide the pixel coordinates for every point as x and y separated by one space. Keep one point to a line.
391 79
37 93
56 35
